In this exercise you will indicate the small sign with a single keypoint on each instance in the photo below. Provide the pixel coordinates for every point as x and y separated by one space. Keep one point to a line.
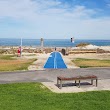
72 39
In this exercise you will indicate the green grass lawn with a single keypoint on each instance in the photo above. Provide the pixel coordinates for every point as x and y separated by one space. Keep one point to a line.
8 63
35 96
85 63
7 57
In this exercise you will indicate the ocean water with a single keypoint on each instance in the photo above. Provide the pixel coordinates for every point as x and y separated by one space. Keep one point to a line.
51 42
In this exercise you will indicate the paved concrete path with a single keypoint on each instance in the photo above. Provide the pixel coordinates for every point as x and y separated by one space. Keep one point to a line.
55 61
51 75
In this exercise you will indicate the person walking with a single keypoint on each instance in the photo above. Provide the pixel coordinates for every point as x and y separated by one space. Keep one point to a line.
55 48
19 52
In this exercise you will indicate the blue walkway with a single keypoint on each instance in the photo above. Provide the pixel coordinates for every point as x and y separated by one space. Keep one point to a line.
55 61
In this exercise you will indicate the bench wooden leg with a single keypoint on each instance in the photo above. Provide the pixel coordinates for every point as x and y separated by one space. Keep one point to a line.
57 82
75 82
79 83
91 81
60 84
96 82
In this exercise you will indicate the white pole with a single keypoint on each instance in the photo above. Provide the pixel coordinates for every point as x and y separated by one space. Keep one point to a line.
21 47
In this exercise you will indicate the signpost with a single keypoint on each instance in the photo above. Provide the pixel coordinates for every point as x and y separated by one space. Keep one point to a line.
72 39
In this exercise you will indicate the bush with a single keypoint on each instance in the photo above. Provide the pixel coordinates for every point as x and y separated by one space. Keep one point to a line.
82 44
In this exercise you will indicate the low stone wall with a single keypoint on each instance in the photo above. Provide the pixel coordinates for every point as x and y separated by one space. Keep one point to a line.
63 50
77 51
102 51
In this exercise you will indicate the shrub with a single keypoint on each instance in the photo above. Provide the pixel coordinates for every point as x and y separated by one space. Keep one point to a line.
82 44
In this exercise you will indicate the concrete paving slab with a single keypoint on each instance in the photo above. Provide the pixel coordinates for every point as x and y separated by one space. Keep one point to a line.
102 85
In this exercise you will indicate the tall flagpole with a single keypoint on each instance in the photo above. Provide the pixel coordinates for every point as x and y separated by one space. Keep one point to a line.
21 48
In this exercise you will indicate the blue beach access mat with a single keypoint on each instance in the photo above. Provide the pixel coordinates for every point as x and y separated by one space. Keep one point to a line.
55 61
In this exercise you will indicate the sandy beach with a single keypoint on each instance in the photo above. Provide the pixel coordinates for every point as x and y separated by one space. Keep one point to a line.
42 54
42 57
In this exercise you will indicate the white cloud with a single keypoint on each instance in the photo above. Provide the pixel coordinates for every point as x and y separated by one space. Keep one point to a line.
17 9
52 18
28 9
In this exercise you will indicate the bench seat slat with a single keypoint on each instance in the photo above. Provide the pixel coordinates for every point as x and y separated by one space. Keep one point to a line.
77 78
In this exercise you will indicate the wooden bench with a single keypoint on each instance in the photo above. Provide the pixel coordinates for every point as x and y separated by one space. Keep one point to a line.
77 78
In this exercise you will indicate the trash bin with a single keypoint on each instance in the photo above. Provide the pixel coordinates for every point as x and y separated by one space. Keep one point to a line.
63 51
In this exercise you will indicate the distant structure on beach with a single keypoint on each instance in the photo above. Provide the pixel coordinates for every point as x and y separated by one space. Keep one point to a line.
42 44
72 39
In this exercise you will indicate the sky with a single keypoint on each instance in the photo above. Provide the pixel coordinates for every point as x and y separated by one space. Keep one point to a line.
55 19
